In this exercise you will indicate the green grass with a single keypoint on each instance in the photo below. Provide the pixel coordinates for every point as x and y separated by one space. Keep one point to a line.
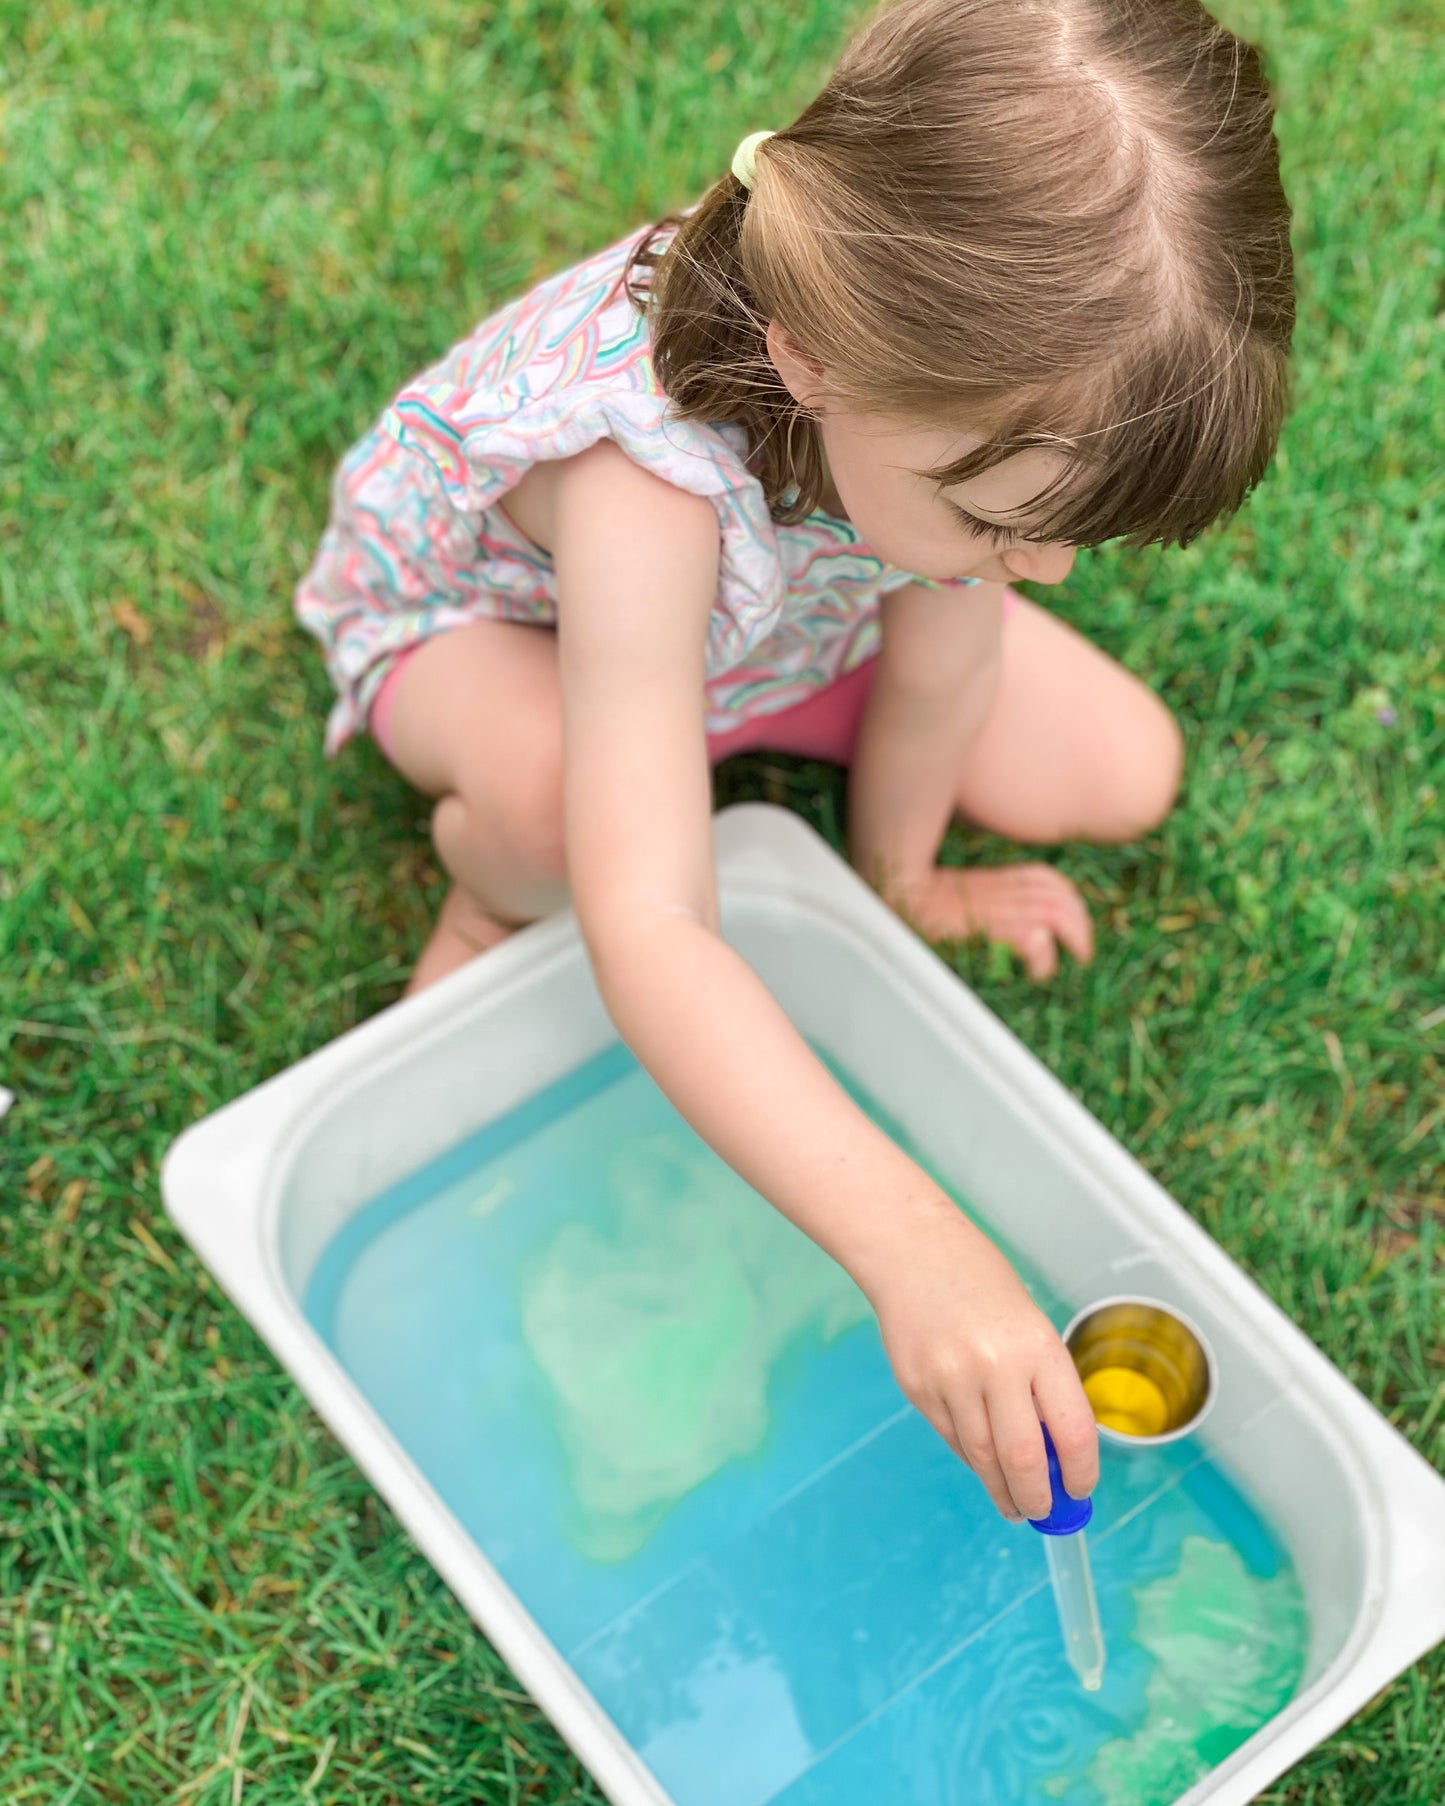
230 232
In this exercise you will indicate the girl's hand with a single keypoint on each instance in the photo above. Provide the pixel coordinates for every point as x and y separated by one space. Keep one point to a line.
1032 908
984 1365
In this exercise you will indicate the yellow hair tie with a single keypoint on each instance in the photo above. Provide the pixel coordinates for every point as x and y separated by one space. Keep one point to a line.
745 158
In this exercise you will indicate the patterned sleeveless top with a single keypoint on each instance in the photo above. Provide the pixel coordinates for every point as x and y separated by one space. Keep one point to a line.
416 544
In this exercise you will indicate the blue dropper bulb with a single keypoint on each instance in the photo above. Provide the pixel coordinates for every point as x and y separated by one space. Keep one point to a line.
1066 1515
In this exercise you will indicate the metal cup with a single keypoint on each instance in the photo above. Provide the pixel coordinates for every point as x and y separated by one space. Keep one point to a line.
1147 1370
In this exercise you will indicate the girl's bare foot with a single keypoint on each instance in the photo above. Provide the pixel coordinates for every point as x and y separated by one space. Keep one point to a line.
463 930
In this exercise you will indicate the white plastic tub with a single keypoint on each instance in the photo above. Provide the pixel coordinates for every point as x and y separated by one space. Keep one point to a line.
262 1186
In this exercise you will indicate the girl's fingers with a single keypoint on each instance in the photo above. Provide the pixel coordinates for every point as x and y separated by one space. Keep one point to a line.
1039 953
937 1415
1019 1444
1075 929
1056 916
973 1440
1067 915
1061 1404
1032 908
998 1435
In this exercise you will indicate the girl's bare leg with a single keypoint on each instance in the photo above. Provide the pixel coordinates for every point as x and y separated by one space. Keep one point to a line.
477 723
1074 748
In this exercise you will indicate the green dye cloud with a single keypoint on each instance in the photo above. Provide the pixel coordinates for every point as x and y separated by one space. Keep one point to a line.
1228 1649
658 1337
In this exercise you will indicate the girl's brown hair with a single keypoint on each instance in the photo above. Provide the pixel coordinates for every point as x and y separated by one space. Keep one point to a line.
1058 223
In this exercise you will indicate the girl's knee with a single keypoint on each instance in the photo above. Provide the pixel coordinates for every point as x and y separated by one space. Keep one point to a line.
1154 774
514 818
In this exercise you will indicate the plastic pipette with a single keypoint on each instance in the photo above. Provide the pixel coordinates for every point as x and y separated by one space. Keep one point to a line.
1073 1580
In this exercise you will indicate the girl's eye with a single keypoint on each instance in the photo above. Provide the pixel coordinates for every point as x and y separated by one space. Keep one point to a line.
997 536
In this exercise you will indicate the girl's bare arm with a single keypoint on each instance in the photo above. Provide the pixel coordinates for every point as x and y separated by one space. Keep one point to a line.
637 565
937 680
937 676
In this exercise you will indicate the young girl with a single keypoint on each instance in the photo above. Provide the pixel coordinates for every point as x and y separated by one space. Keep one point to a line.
1018 281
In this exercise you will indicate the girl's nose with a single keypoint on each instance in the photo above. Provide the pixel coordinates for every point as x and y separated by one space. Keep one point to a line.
1039 563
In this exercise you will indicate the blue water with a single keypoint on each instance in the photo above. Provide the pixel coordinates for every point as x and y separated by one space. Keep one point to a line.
667 1419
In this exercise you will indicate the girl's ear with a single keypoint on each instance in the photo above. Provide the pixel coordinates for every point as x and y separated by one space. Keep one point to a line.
802 375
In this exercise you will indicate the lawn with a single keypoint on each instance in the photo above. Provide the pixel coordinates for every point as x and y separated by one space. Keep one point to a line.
230 232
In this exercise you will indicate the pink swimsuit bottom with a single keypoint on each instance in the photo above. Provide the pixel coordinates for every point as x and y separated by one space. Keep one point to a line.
823 727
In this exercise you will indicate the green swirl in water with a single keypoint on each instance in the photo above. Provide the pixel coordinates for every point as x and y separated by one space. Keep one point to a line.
1228 1651
658 1341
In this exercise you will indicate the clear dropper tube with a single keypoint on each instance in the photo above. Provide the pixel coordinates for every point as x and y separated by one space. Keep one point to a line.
1073 1583
1069 1571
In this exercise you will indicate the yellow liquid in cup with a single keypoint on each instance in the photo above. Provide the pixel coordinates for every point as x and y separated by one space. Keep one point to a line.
1127 1401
